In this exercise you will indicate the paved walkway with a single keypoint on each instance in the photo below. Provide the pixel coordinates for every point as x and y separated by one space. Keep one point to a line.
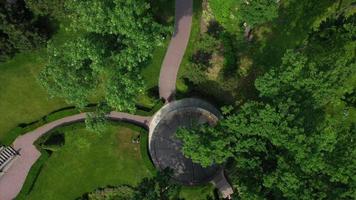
176 49
12 181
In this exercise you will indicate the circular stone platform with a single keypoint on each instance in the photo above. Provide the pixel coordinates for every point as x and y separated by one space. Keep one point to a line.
165 148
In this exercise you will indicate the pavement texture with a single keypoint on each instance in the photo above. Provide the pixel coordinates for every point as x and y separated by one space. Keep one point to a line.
176 49
166 149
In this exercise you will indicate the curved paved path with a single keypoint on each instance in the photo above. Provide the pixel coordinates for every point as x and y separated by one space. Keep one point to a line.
12 181
176 49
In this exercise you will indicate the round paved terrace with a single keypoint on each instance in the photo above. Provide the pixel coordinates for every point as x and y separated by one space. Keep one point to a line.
165 148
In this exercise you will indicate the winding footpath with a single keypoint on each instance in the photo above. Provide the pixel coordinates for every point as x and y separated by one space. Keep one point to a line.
12 181
176 49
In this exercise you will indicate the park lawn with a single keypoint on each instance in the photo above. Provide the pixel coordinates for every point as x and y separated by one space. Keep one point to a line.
22 99
197 192
88 161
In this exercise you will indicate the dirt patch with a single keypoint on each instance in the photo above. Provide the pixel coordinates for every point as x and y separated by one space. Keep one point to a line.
217 63
207 16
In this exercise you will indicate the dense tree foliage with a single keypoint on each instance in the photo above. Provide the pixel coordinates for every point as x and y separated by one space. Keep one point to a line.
96 121
108 54
203 144
298 141
160 187
54 8
20 29
233 13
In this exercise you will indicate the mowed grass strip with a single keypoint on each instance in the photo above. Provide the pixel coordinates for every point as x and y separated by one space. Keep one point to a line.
88 161
22 99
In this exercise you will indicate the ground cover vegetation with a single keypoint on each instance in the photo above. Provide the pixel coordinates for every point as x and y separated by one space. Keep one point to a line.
294 139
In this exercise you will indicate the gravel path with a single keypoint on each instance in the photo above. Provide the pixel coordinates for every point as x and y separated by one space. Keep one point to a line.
12 181
176 49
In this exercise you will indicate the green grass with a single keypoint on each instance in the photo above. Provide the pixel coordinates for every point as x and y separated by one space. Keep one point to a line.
22 100
151 72
88 161
32 176
145 153
197 192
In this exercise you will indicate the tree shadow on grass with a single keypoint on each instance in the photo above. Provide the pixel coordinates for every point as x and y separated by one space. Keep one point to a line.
288 31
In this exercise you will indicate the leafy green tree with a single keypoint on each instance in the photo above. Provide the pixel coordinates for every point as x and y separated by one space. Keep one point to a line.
54 8
107 56
203 144
73 70
20 29
159 187
97 121
297 143
318 74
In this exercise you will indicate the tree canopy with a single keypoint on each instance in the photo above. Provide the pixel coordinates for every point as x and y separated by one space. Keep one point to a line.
161 186
53 8
297 141
106 57
20 29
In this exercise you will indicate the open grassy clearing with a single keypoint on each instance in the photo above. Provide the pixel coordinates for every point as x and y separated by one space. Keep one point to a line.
22 100
88 161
